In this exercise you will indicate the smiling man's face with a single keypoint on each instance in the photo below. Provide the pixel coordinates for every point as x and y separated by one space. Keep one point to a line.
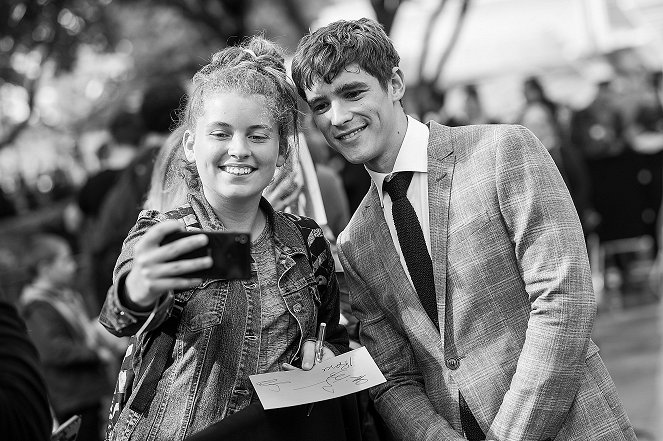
359 118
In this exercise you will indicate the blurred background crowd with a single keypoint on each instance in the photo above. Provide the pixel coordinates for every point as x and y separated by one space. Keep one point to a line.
90 88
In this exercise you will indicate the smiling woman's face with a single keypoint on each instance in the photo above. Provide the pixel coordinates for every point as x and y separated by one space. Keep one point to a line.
235 145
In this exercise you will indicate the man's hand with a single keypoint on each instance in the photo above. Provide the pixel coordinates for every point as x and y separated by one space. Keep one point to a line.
287 184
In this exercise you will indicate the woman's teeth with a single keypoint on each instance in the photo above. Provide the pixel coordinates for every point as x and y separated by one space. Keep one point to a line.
238 170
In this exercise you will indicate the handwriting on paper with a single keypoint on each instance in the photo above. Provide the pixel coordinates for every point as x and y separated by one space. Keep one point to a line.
342 375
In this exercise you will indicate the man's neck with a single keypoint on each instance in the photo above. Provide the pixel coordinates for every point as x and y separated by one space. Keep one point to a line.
385 163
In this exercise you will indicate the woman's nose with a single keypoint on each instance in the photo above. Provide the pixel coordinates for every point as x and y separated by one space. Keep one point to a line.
238 147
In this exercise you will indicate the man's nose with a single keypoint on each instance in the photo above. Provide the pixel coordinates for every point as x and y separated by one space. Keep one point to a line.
340 114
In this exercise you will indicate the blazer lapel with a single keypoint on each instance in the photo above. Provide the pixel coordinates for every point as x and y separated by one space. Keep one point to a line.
441 161
381 237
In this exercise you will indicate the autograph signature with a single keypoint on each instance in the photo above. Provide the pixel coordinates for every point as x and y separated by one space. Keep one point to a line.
272 384
337 374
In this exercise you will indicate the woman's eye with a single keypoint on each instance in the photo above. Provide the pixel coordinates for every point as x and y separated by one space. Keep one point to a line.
220 134
258 138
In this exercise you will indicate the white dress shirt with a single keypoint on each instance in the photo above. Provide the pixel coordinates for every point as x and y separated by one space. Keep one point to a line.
413 156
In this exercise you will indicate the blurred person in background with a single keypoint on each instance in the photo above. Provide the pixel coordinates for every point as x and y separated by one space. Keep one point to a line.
473 109
74 351
126 133
24 408
624 169
540 115
481 323
120 208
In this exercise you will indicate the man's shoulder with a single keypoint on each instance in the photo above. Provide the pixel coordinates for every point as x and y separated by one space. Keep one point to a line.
356 227
471 139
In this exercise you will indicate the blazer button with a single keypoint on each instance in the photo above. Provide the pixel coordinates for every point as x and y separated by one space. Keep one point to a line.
452 363
297 307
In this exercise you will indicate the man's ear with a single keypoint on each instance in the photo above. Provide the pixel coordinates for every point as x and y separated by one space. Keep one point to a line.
397 83
187 144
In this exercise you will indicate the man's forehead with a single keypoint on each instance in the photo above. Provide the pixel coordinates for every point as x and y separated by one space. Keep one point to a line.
346 77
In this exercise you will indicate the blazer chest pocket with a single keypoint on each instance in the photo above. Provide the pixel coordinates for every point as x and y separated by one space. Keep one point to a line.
464 231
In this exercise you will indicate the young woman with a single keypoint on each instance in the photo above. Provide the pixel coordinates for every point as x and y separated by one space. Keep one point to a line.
235 130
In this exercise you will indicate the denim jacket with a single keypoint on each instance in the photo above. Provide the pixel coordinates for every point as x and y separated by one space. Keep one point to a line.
218 337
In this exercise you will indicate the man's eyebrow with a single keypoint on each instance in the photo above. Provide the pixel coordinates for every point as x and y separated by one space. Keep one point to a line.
349 86
343 88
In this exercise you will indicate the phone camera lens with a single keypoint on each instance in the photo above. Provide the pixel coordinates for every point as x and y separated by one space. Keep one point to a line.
241 238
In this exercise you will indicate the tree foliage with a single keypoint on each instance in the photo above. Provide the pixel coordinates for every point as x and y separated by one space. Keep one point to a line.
37 34
40 38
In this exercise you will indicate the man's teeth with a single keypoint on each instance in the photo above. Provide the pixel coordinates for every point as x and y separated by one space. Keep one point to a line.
351 134
238 170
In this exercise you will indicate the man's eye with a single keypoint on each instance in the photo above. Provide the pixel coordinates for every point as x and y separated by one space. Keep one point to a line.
353 94
319 108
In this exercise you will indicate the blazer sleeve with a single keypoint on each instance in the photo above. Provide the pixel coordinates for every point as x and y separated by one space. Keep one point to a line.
401 400
550 250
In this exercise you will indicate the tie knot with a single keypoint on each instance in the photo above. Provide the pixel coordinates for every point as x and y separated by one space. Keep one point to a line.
398 184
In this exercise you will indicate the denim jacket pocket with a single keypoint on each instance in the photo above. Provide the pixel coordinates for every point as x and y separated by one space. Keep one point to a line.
205 307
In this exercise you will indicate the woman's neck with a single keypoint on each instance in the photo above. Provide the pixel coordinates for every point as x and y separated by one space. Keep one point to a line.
242 217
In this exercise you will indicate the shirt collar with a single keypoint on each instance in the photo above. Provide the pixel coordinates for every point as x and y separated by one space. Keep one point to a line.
413 155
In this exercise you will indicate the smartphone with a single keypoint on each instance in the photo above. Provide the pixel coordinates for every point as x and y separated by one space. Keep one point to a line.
230 252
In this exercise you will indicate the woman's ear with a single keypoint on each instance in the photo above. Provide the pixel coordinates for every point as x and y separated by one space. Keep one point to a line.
187 143
397 83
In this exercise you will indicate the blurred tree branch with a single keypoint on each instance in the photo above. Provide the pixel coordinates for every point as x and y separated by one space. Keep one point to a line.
385 12
40 33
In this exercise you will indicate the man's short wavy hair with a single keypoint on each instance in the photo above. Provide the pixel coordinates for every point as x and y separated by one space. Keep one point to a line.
325 52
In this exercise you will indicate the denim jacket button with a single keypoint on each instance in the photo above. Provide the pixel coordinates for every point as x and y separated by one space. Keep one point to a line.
453 363
297 307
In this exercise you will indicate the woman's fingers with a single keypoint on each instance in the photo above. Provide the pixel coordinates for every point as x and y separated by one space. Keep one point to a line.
149 248
159 268
178 267
154 235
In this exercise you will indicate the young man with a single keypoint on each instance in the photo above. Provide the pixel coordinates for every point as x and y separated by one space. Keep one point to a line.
494 343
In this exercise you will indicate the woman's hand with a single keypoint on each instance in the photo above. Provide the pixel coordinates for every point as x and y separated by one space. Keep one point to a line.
155 271
308 356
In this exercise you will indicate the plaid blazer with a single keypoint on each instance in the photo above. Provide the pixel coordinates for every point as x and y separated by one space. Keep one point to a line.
514 295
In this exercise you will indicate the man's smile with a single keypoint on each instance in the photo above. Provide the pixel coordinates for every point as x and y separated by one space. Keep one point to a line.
349 135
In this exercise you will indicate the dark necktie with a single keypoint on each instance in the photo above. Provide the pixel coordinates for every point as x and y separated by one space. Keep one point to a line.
420 267
413 244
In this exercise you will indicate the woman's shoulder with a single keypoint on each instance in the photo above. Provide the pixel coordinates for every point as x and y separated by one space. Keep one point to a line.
301 222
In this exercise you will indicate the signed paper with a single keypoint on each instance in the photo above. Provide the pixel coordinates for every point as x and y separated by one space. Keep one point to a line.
342 375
